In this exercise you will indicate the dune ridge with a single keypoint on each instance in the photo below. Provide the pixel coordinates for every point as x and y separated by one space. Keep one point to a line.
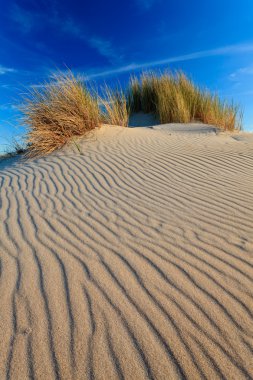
132 260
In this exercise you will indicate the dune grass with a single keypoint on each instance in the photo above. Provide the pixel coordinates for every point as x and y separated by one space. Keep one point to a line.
141 94
134 95
114 107
63 109
17 147
174 98
58 112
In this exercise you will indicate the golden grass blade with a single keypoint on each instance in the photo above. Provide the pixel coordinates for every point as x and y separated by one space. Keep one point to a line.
57 112
114 103
174 98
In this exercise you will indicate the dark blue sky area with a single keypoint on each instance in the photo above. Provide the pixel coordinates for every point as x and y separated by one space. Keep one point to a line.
107 40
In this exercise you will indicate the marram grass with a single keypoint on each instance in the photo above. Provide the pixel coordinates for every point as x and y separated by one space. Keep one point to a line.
174 98
65 109
58 112
115 109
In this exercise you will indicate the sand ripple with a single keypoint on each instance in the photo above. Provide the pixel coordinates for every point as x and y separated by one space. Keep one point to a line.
133 260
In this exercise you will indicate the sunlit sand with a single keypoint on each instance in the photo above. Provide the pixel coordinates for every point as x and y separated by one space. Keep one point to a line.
132 260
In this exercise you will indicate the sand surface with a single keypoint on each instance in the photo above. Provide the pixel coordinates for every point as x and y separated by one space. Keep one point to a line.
132 261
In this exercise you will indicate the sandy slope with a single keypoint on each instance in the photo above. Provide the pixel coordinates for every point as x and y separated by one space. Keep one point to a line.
131 261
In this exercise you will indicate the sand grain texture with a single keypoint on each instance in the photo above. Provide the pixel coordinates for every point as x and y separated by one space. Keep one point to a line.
133 260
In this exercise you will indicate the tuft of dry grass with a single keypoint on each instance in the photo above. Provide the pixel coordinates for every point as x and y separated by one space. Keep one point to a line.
134 95
64 108
18 147
57 112
115 107
172 106
141 94
174 98
212 110
149 82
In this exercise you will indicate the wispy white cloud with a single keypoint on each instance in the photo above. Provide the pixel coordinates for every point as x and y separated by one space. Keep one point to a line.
118 70
28 21
225 50
6 70
243 71
23 18
8 107
104 47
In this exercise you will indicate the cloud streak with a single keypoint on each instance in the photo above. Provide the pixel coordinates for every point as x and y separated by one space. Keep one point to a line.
243 71
225 50
6 70
23 18
28 21
104 47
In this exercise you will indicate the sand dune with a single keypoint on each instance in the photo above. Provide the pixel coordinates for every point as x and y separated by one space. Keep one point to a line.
133 260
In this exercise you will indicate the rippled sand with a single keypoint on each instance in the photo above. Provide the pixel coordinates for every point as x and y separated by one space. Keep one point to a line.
132 261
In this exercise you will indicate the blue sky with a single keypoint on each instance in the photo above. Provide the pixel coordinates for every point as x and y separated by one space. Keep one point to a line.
212 41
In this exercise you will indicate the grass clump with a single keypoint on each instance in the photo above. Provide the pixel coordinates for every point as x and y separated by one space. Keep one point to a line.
64 109
58 112
115 107
17 147
212 110
149 82
134 95
172 103
174 98
141 94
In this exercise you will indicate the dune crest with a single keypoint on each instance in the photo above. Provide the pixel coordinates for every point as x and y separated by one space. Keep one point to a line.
132 260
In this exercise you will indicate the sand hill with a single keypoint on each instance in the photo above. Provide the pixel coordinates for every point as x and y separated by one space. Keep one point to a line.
132 260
